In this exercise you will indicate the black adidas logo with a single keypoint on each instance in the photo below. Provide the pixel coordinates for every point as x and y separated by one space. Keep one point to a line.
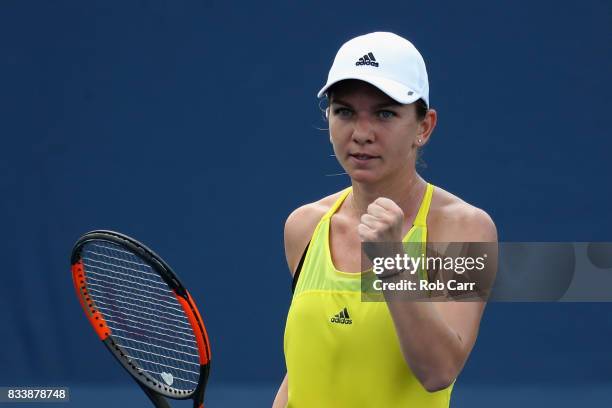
342 317
367 59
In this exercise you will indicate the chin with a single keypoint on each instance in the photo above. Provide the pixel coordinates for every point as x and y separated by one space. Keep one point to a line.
365 176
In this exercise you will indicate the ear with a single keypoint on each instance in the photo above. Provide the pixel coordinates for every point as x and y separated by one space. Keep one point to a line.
426 127
327 113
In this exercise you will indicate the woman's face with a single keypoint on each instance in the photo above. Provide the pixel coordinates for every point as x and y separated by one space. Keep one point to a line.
374 137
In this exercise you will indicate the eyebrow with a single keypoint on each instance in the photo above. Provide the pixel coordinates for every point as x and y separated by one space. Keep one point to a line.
389 104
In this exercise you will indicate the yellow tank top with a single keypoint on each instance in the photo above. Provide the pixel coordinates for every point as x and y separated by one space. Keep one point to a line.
341 351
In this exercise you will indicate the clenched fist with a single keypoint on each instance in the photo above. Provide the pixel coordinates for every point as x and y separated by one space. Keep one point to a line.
382 222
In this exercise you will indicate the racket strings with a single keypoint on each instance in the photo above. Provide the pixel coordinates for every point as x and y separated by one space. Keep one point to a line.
145 318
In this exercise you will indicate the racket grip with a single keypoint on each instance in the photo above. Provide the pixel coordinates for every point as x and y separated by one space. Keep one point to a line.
157 400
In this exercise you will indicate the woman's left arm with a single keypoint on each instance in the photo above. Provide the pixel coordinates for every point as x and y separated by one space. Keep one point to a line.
436 338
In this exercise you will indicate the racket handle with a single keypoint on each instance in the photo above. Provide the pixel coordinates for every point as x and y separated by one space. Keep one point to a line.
158 400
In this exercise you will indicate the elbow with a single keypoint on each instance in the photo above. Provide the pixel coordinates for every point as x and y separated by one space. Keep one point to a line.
437 375
436 383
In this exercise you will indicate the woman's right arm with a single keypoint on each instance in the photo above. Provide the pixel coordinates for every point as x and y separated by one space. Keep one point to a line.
281 396
298 229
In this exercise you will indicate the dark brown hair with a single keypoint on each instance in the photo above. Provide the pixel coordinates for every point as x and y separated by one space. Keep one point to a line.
421 109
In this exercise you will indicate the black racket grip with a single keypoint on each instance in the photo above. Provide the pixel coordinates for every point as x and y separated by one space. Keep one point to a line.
158 400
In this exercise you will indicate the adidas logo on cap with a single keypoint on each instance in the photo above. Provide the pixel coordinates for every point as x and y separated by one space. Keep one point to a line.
367 59
342 317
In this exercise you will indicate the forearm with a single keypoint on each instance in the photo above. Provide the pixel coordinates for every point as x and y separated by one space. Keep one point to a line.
432 349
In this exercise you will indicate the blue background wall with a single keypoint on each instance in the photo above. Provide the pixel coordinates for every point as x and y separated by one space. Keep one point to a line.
193 126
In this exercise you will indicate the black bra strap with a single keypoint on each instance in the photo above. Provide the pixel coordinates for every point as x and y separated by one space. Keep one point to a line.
296 275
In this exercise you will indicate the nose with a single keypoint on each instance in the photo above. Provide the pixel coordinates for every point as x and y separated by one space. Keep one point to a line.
363 132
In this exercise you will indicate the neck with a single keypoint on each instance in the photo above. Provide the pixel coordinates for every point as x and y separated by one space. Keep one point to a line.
405 192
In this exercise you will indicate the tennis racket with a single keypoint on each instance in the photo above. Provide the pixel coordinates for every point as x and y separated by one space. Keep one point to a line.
144 316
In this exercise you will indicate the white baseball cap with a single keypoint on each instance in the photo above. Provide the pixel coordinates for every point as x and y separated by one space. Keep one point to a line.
387 61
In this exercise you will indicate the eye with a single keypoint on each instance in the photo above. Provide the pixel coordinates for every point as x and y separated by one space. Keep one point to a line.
386 114
343 112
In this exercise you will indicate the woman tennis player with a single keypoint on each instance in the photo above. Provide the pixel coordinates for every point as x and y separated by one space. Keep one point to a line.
341 351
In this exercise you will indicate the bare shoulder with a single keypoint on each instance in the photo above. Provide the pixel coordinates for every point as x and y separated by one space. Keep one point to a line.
451 219
301 224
